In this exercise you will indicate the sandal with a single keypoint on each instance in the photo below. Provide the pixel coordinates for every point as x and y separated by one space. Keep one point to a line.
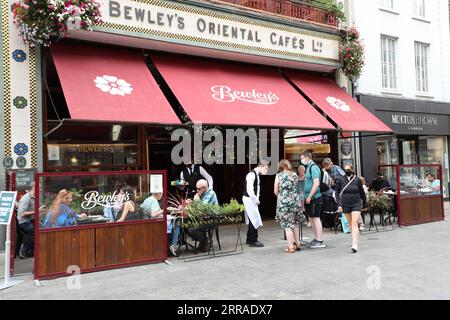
290 249
298 247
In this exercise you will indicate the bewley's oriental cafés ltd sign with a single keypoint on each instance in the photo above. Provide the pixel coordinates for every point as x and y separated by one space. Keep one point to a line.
179 23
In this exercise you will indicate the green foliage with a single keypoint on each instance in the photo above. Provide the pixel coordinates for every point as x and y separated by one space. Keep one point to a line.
200 214
378 202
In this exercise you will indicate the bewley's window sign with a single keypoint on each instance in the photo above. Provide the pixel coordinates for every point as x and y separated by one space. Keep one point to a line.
179 23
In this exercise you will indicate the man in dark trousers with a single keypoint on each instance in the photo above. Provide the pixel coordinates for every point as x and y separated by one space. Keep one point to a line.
251 203
192 173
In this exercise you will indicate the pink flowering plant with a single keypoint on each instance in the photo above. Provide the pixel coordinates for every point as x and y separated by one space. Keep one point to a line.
41 21
352 54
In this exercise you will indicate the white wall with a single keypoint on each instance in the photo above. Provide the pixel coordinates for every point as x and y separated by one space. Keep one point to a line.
373 22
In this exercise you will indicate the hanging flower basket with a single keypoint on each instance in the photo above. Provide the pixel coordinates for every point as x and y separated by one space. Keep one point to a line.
42 21
352 54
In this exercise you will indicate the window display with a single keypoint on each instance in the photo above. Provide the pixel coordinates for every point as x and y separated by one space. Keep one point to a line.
80 199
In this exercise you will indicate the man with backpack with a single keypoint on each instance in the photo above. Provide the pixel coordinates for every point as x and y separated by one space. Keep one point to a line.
314 187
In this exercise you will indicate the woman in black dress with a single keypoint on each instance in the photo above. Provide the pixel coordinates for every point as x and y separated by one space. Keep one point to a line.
351 199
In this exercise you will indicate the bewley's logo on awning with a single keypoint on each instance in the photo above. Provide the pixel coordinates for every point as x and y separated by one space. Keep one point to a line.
228 95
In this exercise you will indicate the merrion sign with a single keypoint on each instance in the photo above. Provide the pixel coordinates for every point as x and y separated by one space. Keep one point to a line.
175 22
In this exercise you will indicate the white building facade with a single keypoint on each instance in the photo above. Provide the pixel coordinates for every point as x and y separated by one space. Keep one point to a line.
406 80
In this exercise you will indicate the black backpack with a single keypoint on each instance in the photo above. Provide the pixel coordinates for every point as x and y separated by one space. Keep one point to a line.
323 186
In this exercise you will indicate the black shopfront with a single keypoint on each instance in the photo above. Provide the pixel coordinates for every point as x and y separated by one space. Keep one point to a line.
421 131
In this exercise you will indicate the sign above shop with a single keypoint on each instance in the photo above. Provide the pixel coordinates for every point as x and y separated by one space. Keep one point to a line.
197 26
416 123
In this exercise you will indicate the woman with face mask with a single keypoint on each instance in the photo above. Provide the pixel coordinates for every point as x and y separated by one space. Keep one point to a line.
351 199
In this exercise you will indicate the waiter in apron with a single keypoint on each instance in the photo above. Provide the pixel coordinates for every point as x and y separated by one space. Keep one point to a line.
251 203
192 173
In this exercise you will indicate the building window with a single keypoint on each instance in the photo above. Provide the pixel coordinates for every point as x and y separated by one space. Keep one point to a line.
419 8
389 4
421 54
389 62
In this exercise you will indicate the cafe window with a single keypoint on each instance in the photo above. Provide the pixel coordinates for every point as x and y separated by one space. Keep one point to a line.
71 200
298 141
87 147
434 150
81 155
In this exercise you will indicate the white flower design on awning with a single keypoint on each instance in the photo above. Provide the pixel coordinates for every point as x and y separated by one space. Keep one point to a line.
113 85
338 104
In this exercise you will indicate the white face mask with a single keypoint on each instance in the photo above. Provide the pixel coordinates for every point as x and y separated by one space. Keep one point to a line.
304 162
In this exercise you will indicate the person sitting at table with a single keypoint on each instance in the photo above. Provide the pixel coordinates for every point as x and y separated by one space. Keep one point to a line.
60 214
25 216
130 212
209 197
151 207
435 184
379 183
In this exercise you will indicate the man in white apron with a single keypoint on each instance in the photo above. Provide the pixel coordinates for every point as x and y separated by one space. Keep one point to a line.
251 203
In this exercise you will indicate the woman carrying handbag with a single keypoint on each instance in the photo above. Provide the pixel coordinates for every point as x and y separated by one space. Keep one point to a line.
351 200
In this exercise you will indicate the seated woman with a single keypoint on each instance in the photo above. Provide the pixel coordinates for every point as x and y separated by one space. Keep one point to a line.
130 211
60 214
152 209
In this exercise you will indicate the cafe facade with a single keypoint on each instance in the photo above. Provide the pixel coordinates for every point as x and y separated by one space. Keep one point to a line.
421 131
103 104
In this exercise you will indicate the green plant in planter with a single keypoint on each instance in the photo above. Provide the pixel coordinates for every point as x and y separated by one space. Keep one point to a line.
378 203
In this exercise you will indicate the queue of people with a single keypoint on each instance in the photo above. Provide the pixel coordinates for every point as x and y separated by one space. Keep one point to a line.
309 191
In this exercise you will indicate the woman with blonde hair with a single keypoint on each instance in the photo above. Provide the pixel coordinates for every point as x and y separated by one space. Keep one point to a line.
288 205
60 214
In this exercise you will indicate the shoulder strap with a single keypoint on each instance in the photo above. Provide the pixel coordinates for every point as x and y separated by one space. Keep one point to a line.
347 185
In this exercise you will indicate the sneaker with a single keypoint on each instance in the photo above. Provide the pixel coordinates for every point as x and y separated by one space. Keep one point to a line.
173 251
362 228
354 250
317 244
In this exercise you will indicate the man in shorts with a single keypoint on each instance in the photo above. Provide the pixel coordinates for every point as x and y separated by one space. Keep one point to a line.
313 202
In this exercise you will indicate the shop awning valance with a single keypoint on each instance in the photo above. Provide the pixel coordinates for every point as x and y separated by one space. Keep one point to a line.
220 93
105 84
341 108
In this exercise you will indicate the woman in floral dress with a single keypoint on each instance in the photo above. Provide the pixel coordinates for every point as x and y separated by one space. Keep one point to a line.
288 205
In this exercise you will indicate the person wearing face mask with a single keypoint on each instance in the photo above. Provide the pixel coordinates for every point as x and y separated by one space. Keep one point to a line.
351 199
313 201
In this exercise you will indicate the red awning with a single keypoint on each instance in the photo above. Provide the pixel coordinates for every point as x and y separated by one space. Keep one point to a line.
222 93
345 111
105 84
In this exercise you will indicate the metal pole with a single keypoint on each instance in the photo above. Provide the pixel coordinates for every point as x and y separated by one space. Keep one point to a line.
7 253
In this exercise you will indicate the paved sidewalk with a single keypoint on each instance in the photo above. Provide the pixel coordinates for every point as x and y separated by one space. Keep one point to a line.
407 263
